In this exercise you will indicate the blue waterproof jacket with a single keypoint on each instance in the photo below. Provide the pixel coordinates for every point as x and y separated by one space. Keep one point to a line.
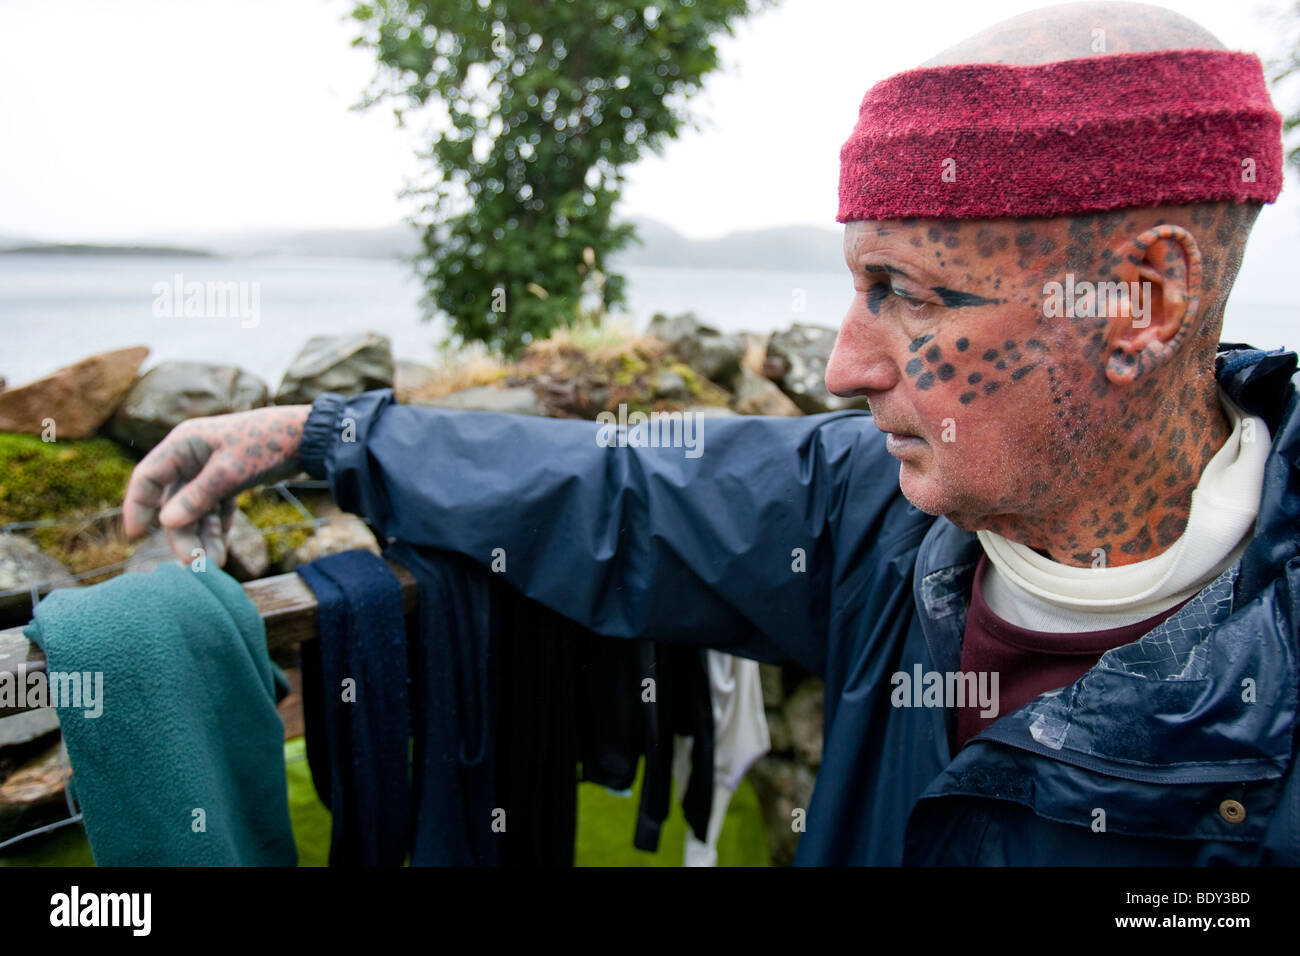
788 539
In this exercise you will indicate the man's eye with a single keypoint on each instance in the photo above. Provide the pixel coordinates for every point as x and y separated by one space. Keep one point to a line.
883 290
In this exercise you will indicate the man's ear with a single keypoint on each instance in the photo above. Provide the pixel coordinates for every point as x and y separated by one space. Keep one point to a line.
1161 272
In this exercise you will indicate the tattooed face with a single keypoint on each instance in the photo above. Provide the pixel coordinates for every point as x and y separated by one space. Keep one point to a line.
943 338
1067 432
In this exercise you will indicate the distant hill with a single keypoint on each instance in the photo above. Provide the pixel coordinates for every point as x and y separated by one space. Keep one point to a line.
95 249
789 248
389 242
792 248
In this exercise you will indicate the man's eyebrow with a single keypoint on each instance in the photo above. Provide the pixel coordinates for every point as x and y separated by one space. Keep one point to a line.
884 269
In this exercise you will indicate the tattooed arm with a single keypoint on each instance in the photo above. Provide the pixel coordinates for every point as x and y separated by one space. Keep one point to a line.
194 474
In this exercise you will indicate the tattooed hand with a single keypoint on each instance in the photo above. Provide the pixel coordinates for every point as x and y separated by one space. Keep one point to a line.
194 474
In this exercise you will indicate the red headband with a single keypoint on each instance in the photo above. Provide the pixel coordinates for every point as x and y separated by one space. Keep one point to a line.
984 140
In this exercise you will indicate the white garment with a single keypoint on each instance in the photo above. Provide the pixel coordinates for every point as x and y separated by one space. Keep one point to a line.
1025 588
740 736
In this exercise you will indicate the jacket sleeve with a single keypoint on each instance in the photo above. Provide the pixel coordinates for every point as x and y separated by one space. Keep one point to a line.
727 545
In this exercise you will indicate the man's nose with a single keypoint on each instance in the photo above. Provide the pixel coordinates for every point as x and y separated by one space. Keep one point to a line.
859 363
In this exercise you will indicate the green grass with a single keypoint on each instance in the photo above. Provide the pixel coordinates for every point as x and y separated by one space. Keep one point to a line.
606 822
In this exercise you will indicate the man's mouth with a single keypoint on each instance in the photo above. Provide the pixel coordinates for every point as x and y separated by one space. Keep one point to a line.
897 443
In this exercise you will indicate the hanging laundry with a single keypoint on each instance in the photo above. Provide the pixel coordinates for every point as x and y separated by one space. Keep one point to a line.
740 738
506 699
492 735
682 707
537 739
183 764
357 715
459 814
509 696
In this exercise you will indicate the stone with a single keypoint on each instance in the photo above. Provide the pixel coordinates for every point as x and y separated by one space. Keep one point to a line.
172 392
670 386
28 726
783 787
248 557
517 400
79 398
344 532
410 377
804 711
22 565
778 731
755 350
773 684
715 355
150 554
709 411
346 364
797 359
33 794
756 395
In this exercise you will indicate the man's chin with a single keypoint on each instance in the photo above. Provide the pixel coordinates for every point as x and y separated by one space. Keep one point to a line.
920 487
926 492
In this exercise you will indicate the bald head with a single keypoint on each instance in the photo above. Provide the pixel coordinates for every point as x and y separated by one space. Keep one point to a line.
1073 31
1076 430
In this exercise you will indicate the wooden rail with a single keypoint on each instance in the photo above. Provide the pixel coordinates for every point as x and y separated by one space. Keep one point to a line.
285 602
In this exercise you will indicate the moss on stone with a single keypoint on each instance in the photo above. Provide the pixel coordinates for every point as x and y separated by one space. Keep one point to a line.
628 368
40 480
266 509
689 375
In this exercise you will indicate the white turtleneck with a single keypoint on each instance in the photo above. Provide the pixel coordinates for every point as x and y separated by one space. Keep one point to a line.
1025 588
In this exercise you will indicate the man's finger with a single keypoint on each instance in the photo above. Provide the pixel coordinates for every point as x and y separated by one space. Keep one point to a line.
201 494
184 541
176 458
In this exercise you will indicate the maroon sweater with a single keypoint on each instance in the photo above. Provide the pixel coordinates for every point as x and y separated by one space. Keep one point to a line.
1028 663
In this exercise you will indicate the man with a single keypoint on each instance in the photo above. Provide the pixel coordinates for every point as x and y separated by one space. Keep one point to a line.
1090 656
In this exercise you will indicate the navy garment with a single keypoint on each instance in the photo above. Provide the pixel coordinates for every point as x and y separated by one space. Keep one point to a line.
357 748
459 813
494 712
643 542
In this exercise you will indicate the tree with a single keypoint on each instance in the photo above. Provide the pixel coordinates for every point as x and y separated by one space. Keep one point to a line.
1284 68
546 105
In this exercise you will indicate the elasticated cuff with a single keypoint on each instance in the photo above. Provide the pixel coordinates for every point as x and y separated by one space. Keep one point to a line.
319 432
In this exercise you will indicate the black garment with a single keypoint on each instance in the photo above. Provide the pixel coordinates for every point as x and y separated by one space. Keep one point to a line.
357 748
495 720
683 706
622 719
538 732
508 697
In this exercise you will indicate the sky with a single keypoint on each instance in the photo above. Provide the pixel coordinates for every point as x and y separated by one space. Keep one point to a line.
139 119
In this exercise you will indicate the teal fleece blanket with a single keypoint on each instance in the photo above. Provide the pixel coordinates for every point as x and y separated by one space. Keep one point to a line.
177 751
